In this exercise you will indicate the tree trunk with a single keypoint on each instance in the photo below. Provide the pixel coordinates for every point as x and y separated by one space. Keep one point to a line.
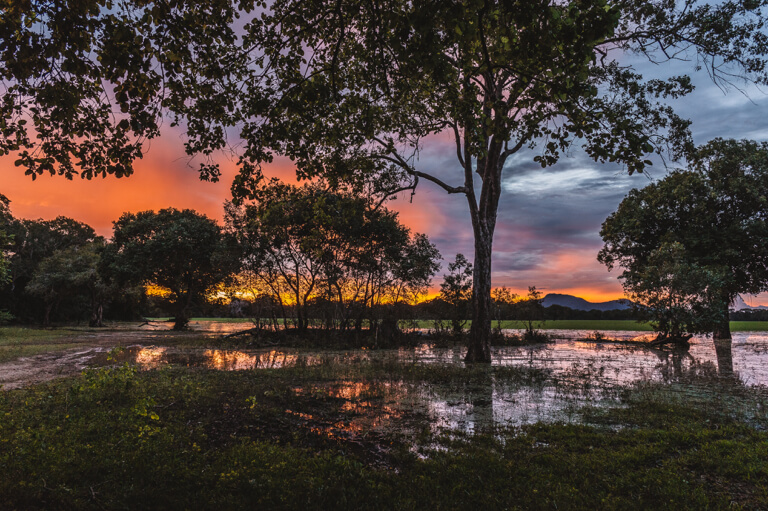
97 316
47 317
181 320
480 331
723 328
724 357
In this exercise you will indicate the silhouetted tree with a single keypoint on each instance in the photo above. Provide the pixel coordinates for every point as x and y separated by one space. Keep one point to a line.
306 244
456 292
694 240
182 251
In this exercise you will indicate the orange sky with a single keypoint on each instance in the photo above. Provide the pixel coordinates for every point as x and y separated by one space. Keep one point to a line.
165 178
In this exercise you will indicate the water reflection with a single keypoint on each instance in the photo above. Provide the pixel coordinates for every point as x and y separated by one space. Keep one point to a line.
528 384
153 357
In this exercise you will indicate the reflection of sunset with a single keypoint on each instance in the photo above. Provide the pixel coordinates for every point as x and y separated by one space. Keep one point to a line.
150 358
239 361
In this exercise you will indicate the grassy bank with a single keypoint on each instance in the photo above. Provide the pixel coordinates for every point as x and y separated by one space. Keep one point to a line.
303 438
16 342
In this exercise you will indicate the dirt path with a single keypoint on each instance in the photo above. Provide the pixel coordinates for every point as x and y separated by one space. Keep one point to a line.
36 369
41 368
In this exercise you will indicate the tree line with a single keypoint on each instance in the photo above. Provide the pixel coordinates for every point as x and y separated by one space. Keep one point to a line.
352 92
295 257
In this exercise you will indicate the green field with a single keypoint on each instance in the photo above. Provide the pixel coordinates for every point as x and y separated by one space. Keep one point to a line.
18 342
607 324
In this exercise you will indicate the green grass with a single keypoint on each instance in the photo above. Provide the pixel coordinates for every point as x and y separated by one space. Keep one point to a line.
18 342
556 324
607 324
180 438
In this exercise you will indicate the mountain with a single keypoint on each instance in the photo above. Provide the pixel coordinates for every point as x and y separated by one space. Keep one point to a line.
739 304
576 303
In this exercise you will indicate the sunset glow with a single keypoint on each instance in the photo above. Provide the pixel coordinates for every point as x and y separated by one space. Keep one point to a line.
167 178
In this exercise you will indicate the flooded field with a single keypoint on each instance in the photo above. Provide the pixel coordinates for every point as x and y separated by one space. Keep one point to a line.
548 382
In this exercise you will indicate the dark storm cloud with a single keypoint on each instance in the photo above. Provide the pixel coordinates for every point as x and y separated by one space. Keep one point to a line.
549 219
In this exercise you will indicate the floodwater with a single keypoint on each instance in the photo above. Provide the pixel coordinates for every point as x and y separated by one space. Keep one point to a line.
547 382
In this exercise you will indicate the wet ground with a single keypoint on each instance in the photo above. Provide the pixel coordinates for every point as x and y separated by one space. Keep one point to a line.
549 382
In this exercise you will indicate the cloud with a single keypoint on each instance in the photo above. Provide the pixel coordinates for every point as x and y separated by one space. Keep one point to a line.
547 232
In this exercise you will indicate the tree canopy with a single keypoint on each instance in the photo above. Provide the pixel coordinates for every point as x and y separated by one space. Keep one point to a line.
352 91
182 251
311 244
692 241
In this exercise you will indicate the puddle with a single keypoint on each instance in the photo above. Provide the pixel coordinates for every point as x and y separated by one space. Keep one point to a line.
546 383
153 357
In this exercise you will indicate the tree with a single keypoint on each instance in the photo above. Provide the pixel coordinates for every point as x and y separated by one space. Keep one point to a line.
694 240
309 243
676 294
30 243
531 312
503 300
5 272
350 91
182 251
456 291
67 273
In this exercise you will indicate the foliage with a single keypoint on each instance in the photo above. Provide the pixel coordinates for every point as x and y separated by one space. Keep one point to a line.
456 292
338 252
350 91
694 240
119 438
29 244
502 301
183 251
5 272
66 273
531 312
117 66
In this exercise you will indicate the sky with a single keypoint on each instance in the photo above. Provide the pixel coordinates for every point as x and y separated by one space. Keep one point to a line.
549 220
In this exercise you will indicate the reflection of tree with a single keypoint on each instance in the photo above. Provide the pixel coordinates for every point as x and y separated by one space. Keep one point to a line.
480 396
671 365
724 358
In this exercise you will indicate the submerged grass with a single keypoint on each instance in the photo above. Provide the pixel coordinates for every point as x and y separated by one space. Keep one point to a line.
297 438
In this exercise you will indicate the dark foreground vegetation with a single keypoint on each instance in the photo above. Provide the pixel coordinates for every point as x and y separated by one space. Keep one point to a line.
304 438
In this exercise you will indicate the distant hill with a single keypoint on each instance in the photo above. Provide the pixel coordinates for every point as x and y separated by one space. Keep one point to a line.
576 303
739 304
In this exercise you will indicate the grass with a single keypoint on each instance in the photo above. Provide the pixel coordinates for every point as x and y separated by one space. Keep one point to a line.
181 438
607 324
555 324
16 342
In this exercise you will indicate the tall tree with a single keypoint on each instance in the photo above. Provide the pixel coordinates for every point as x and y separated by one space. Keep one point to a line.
351 91
182 251
5 272
66 274
694 240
